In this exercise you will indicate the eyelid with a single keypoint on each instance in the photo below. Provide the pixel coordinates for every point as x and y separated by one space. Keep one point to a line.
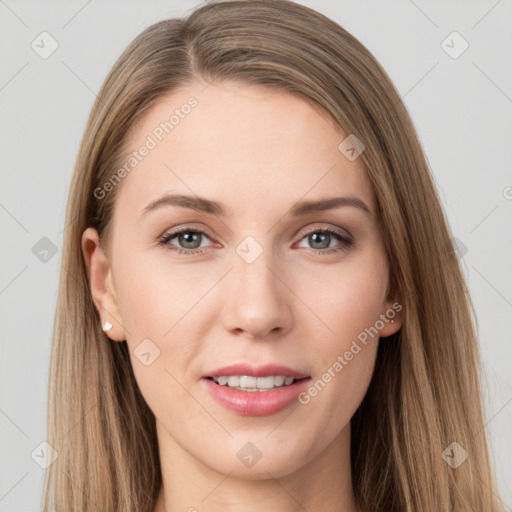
187 227
318 227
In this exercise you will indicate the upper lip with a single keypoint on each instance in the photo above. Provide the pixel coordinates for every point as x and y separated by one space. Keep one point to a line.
256 371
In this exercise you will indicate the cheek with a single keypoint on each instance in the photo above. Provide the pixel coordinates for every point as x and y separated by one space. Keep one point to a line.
350 306
163 303
345 358
334 396
154 296
349 301
160 339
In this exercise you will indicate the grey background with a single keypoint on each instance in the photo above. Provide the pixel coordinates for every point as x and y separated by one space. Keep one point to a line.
461 107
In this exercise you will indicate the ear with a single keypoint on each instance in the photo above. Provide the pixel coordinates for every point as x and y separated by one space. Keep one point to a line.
99 275
391 315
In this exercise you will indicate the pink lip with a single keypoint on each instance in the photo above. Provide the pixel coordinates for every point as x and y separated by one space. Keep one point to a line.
256 403
259 371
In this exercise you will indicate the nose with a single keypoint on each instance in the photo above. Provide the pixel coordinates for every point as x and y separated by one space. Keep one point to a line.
259 301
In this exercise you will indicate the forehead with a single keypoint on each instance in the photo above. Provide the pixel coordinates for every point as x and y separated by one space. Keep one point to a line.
250 147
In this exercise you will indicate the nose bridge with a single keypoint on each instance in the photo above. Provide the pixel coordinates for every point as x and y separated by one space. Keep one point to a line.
252 269
258 302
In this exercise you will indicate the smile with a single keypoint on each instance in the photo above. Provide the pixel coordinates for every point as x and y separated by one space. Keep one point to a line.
249 383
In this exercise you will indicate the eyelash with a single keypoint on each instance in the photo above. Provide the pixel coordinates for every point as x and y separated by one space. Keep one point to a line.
164 240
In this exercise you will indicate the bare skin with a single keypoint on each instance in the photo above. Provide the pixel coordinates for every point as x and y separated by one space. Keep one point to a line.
257 152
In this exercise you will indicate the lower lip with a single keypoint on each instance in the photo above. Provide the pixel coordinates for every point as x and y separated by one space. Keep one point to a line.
256 403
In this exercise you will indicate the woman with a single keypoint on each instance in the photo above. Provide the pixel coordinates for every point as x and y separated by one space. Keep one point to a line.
261 307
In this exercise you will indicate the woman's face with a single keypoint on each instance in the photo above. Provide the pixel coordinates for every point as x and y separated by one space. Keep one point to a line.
260 281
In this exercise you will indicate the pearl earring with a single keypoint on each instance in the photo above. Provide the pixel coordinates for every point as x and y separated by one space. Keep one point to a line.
107 326
392 321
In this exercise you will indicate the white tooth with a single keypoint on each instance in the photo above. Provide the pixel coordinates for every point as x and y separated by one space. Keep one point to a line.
233 381
247 382
265 382
279 380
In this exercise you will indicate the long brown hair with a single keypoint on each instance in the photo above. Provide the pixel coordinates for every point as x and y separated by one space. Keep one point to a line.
425 391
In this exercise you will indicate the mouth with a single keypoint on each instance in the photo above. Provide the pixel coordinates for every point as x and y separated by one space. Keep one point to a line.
249 391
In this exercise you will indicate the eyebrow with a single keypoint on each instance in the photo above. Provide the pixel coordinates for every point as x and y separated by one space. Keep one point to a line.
300 208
